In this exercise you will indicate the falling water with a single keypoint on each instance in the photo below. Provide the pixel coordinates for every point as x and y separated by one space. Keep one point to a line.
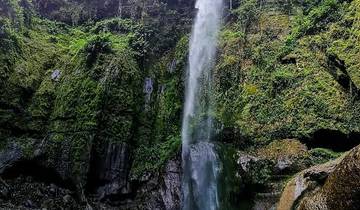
201 164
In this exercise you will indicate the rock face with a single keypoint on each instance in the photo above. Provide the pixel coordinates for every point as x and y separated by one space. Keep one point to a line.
333 185
9 157
111 171
307 180
341 189
171 189
161 191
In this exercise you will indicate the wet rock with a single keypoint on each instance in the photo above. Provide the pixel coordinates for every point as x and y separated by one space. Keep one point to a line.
161 190
10 156
4 190
88 207
170 190
52 189
113 170
307 185
67 199
201 166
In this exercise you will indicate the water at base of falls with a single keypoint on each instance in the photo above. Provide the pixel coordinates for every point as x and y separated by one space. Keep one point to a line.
201 165
200 178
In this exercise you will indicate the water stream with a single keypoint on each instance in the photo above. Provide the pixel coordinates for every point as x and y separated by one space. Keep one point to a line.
201 165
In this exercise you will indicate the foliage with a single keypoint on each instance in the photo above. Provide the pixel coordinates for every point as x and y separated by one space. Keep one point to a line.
274 81
150 159
161 120
94 99
321 155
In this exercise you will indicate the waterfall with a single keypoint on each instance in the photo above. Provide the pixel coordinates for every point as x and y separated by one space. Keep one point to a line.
201 164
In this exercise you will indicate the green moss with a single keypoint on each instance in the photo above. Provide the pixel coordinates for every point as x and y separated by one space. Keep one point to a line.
161 120
94 101
322 155
150 159
269 92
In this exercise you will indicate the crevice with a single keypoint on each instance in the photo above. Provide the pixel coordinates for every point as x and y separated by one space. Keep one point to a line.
337 68
288 60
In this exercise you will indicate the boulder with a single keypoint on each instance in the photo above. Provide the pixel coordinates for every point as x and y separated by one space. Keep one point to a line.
341 189
305 181
333 185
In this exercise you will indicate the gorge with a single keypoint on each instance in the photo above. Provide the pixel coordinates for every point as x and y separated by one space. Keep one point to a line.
179 104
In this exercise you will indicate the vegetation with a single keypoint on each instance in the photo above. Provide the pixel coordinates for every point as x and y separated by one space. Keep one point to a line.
284 83
72 77
78 87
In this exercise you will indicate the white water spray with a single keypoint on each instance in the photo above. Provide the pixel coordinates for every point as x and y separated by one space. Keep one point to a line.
200 161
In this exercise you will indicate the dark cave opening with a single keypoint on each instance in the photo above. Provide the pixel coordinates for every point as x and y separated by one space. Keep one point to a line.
333 139
39 173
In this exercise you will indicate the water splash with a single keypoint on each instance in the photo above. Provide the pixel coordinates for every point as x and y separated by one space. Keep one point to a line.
200 162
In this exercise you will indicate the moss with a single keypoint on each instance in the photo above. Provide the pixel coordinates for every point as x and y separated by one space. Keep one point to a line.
286 148
95 99
158 135
321 155
345 45
150 159
270 93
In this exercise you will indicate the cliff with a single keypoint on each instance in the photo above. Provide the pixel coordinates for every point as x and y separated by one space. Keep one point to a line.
91 96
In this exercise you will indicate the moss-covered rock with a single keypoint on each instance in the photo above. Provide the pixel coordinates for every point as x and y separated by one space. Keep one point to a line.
66 89
275 78
331 185
159 134
340 190
69 93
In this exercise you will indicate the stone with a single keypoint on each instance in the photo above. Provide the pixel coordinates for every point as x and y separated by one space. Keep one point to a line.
10 156
307 188
113 170
52 189
88 207
245 160
283 164
341 189
161 190
170 190
56 74
4 191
